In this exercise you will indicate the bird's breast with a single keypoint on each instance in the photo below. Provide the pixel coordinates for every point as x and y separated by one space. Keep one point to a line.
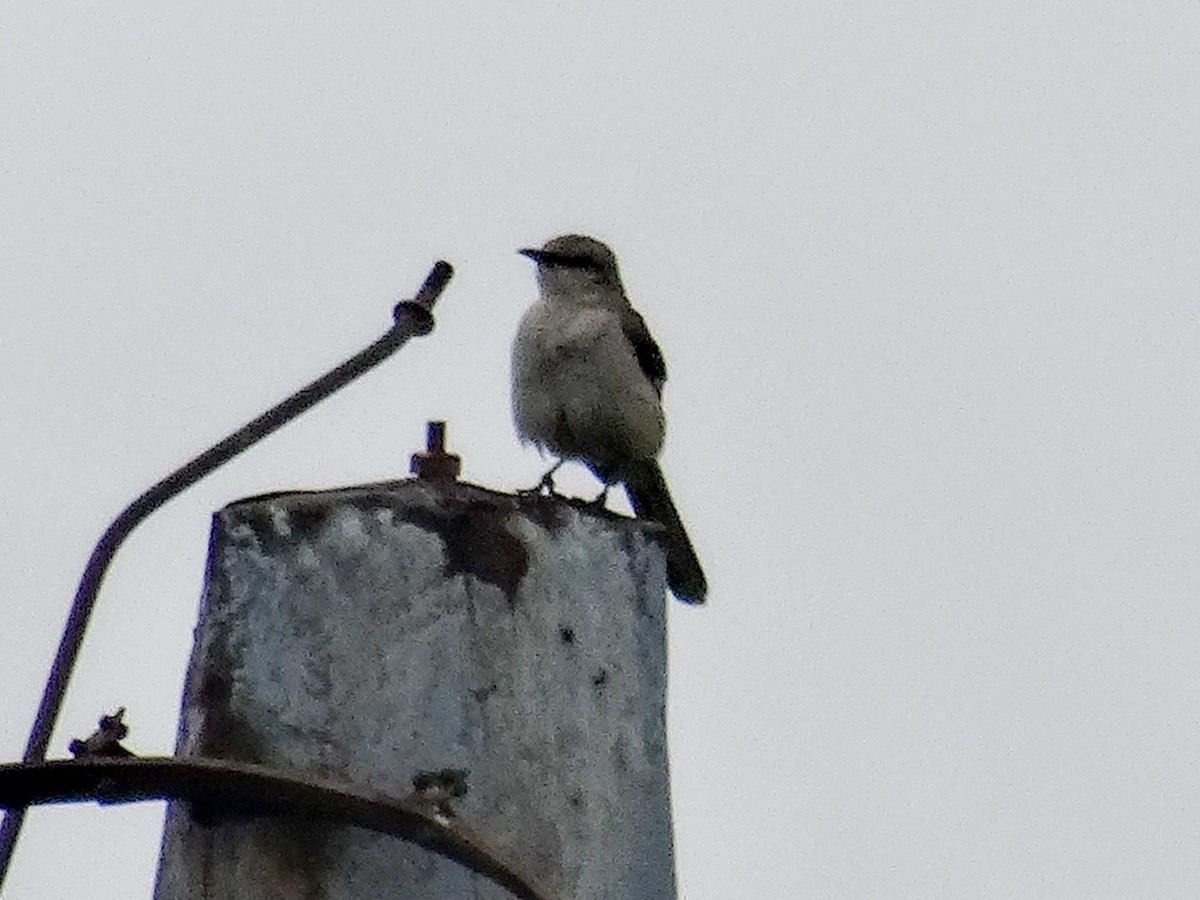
578 388
562 332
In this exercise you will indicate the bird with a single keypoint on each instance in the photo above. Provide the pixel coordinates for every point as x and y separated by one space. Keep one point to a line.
587 383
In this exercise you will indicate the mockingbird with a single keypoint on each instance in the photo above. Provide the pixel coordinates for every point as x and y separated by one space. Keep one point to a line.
587 385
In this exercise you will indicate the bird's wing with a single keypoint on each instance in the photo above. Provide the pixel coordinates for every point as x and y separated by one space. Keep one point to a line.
649 357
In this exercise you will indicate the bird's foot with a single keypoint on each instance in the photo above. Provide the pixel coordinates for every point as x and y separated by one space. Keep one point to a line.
544 487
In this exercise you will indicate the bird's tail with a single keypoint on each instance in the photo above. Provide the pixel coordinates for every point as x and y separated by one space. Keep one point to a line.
650 498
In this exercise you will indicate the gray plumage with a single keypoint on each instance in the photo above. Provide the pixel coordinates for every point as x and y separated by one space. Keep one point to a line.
587 385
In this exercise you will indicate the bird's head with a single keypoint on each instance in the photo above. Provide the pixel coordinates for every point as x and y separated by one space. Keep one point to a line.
571 258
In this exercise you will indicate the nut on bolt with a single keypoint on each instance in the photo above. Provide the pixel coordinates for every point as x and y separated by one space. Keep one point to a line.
435 464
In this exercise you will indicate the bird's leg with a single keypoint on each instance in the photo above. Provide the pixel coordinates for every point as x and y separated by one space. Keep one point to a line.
601 501
547 482
546 485
606 476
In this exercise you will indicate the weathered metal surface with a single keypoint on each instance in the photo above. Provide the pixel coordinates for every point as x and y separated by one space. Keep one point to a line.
367 635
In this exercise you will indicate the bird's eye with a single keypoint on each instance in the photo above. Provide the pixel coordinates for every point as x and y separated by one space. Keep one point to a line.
573 261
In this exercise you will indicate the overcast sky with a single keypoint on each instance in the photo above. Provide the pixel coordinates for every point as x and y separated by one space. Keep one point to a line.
925 278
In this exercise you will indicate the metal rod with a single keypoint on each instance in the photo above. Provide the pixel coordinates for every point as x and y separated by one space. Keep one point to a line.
248 789
412 318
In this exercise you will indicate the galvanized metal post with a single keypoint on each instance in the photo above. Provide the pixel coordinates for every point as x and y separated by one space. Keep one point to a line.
514 646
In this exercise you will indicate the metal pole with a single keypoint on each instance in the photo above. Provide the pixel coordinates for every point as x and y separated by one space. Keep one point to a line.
412 319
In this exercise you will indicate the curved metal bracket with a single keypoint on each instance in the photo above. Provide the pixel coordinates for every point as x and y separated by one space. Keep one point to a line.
257 790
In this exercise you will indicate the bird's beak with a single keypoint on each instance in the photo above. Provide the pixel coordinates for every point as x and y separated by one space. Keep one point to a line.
535 255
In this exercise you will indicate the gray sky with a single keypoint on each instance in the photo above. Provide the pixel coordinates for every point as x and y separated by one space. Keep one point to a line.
925 277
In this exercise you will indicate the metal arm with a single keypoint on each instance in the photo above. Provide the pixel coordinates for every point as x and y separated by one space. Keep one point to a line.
412 318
